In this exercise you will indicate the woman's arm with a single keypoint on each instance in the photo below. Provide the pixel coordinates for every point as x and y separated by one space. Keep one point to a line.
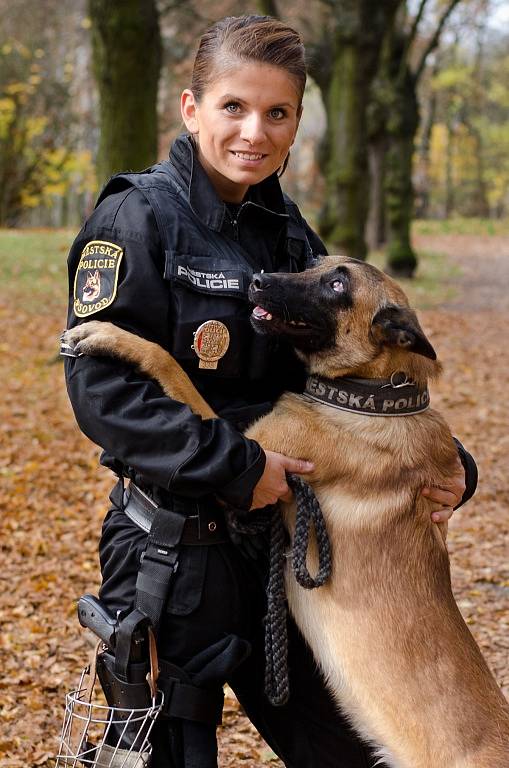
128 414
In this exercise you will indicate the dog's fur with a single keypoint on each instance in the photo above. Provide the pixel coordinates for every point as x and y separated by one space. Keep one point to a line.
385 630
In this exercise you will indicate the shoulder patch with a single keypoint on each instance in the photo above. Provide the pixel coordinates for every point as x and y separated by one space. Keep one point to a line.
95 284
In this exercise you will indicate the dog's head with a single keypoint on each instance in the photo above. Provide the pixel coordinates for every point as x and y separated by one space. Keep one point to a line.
92 287
344 317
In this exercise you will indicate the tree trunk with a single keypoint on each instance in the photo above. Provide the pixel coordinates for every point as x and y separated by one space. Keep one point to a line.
343 216
353 54
449 184
482 207
127 58
267 8
402 127
375 225
423 183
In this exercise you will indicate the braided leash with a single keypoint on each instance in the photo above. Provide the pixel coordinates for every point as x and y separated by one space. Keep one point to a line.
276 635
308 511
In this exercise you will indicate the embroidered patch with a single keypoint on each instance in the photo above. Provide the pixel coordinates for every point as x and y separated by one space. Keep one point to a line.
213 281
95 284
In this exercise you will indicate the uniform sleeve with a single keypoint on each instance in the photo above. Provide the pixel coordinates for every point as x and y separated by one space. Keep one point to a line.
122 410
471 474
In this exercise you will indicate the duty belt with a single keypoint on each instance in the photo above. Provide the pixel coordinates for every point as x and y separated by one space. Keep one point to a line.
207 527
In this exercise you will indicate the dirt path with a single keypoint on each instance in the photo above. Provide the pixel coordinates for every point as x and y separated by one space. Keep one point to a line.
470 335
53 497
484 264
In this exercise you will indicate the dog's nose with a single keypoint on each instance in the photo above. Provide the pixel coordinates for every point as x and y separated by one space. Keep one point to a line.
259 281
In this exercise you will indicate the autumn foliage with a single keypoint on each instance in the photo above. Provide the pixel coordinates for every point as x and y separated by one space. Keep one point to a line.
53 495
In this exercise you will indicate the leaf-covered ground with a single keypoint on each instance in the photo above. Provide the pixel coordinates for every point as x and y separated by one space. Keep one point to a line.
53 496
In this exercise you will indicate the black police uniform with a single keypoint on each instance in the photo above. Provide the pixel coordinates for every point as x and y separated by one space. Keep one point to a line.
160 255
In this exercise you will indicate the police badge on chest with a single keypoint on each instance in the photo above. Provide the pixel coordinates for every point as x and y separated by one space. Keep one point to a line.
211 342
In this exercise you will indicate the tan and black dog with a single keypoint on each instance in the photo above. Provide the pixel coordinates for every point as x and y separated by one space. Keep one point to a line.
385 630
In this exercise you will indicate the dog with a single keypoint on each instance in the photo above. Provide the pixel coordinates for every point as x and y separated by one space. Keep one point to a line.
385 630
92 287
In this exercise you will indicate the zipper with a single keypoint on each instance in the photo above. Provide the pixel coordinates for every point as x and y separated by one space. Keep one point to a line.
234 222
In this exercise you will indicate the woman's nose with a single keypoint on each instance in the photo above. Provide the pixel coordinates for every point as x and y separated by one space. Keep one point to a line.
252 129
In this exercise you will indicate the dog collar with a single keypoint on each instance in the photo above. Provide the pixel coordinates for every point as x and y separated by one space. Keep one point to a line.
397 396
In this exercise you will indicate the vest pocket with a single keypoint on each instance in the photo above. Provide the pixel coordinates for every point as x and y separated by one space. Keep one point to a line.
204 289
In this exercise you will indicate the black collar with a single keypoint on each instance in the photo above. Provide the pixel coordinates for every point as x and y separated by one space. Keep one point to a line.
397 396
202 196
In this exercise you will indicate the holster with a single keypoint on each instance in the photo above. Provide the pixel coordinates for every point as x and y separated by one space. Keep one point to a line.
193 695
123 674
123 696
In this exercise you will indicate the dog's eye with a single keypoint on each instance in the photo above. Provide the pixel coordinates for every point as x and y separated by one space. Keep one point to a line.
338 286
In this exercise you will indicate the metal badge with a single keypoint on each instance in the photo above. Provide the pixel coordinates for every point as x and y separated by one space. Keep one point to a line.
211 341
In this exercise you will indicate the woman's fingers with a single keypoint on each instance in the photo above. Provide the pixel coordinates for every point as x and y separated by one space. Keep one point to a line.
272 485
448 494
448 498
442 515
300 466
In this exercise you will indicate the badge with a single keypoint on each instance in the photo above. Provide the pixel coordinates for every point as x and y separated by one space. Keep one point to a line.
211 341
95 284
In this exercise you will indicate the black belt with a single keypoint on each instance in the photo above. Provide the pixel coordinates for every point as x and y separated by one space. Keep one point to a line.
208 527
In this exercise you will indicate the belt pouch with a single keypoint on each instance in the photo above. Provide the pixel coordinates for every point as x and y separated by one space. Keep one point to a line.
158 563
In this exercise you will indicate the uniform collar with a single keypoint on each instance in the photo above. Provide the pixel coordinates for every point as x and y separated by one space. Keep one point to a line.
202 196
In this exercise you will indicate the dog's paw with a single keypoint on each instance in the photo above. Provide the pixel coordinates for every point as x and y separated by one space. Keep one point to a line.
92 338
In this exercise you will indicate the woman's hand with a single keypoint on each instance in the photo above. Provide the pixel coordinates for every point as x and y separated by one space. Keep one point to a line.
272 485
448 495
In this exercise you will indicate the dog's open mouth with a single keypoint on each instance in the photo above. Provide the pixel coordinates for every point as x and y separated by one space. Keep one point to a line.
263 318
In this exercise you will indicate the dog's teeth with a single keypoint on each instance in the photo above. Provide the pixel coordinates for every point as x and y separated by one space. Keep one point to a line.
268 316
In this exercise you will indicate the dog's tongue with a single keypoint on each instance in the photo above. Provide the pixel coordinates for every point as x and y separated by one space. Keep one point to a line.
261 313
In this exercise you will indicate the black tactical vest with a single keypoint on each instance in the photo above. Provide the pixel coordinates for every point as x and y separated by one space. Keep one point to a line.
209 260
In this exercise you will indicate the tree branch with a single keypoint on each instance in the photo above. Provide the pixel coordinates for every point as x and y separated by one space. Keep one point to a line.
435 38
417 20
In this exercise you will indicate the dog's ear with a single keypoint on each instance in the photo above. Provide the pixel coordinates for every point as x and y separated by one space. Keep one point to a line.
399 327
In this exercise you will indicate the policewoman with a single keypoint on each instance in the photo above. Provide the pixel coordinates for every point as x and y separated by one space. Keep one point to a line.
168 254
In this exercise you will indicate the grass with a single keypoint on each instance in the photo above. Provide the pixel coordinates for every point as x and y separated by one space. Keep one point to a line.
460 226
433 284
33 266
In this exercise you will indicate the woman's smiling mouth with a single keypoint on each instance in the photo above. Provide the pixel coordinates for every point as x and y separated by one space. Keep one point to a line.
248 156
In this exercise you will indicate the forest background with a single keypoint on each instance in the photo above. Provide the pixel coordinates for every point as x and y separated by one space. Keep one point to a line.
404 96
402 156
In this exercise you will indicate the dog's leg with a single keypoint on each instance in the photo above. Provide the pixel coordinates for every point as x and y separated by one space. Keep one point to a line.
102 338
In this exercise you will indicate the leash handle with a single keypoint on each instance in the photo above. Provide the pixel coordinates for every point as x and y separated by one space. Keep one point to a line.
309 512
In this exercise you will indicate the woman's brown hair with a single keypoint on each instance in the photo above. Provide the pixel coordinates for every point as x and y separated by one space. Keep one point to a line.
248 38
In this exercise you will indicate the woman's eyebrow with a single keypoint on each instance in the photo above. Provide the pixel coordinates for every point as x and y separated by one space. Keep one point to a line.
232 97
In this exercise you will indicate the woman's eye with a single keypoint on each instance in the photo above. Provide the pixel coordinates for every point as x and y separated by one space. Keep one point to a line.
277 114
232 108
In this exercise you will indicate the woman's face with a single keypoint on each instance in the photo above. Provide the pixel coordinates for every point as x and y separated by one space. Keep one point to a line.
245 125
